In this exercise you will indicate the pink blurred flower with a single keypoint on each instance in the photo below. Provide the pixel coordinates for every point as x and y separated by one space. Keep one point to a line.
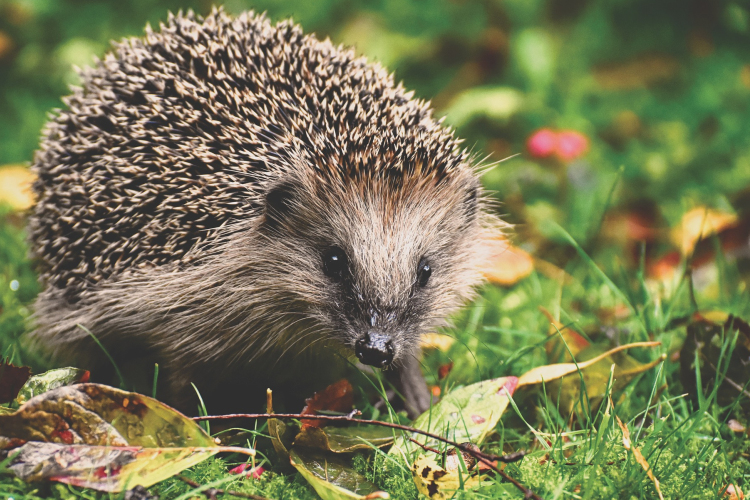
254 473
571 145
542 143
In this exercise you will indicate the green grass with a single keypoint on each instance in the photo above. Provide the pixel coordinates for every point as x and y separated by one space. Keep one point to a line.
575 452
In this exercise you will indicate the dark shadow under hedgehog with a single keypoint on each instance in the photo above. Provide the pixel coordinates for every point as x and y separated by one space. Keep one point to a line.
247 206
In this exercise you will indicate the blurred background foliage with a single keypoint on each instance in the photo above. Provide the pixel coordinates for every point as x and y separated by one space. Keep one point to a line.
660 89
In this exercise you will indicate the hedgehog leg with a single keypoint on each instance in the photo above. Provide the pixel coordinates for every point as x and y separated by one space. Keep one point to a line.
410 382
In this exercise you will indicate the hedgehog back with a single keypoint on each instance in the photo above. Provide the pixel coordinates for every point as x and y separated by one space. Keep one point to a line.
175 135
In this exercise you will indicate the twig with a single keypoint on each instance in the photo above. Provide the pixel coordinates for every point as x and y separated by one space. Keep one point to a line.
484 458
510 457
212 492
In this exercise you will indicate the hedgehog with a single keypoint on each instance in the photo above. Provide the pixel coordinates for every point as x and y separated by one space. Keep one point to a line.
249 206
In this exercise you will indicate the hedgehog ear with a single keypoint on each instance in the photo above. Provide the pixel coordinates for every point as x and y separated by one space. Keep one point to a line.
279 200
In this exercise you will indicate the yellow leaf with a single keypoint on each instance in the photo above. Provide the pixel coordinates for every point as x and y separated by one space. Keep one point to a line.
15 187
508 264
700 223
637 454
437 483
551 372
438 341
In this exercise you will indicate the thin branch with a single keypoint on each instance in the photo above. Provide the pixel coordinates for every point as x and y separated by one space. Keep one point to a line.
486 459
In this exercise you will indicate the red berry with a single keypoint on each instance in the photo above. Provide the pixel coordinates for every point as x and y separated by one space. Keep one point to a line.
542 143
571 145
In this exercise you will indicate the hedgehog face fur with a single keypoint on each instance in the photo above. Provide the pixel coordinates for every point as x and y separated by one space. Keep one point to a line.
225 193
384 260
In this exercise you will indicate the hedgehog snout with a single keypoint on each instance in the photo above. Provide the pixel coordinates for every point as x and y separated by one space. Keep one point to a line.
375 349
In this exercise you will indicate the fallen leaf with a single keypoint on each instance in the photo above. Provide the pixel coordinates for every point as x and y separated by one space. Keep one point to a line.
344 439
102 438
444 370
508 264
332 476
96 414
596 378
466 414
6 45
438 341
733 492
106 468
15 187
437 483
551 372
49 380
735 426
637 454
665 267
700 223
338 397
12 379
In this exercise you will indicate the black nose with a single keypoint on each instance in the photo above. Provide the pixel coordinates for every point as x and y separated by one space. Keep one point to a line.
374 349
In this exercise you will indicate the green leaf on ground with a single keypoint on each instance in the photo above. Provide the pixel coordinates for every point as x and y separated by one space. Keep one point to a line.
49 380
466 414
333 477
345 439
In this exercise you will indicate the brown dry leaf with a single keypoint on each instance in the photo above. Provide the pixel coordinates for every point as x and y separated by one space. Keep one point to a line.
552 372
508 264
338 397
665 267
735 426
15 187
637 453
6 45
699 223
733 492
438 341
636 73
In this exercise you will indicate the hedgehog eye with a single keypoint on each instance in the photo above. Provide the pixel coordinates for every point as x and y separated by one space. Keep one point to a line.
423 272
335 263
